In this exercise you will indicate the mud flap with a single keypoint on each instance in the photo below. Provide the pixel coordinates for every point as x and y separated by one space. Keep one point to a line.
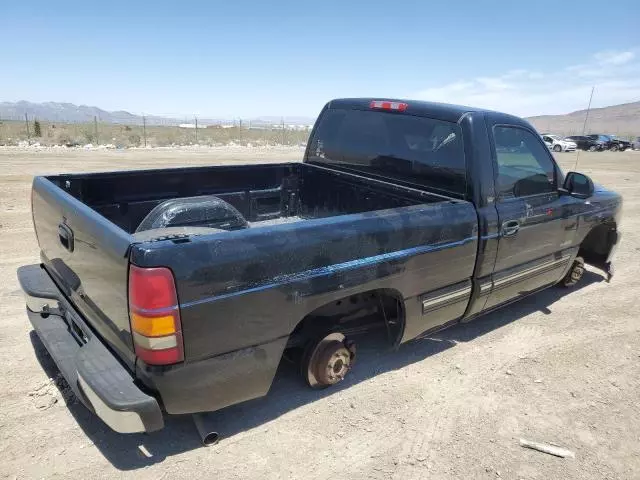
606 263
609 271
613 239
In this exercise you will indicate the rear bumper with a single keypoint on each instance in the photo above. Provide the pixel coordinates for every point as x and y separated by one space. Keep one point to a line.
94 374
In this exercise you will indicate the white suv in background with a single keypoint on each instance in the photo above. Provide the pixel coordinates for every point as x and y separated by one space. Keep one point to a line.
558 144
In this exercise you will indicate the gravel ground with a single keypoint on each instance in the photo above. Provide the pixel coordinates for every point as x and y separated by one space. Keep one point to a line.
559 367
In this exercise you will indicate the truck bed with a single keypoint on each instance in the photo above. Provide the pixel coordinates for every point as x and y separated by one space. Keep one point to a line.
264 195
308 234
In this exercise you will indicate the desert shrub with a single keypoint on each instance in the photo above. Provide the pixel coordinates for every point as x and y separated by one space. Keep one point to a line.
134 140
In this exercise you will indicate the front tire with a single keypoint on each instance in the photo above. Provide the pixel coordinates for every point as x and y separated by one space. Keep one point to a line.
592 148
557 148
574 274
614 148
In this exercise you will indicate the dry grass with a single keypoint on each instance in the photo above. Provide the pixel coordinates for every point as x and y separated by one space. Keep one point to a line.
13 132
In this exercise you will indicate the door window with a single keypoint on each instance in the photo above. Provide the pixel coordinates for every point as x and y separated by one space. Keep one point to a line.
524 164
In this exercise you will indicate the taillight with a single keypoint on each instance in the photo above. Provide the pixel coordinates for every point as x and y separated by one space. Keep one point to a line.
386 105
155 315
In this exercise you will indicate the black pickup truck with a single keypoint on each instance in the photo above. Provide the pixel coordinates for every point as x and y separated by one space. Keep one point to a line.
611 142
179 290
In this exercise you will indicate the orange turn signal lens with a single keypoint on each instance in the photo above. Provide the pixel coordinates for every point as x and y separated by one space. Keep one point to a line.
153 326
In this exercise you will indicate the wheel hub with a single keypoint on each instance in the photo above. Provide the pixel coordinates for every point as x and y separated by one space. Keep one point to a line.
577 271
328 360
334 364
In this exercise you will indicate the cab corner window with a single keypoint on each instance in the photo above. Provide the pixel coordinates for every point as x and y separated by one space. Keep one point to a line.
524 164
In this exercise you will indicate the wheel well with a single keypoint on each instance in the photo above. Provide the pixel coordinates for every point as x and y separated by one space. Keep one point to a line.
595 247
354 314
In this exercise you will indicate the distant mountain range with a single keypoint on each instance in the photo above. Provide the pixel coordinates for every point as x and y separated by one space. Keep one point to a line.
621 119
71 113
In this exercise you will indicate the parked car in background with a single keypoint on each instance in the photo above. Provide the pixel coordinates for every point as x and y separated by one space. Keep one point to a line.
618 144
587 143
611 142
605 139
636 144
558 144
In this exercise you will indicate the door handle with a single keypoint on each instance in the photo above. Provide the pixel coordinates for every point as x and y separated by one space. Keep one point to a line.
510 228
65 235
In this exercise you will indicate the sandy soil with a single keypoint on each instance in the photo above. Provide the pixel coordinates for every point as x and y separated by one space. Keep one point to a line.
560 367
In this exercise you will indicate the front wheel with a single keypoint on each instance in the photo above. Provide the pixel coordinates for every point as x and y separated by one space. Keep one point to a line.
557 148
574 274
614 148
592 148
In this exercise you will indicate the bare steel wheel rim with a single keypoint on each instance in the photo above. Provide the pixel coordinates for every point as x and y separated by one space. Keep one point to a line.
576 273
328 360
334 364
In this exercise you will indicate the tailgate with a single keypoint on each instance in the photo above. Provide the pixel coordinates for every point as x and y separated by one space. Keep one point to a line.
88 257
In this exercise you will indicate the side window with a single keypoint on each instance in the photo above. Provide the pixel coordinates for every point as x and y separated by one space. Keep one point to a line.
524 164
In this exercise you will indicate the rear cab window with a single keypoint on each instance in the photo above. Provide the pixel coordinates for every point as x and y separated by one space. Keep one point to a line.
421 151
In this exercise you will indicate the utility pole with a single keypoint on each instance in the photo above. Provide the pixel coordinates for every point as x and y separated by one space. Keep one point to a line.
240 130
282 121
95 127
26 121
196 119
144 130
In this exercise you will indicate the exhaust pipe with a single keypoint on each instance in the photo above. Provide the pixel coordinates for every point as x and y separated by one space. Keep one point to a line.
208 437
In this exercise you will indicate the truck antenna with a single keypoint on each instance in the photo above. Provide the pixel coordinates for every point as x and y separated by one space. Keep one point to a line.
584 126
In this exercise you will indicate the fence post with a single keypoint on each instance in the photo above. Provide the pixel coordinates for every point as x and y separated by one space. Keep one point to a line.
196 119
144 130
282 121
95 127
26 121
239 130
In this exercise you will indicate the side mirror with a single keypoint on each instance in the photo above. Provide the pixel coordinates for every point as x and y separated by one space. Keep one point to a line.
577 185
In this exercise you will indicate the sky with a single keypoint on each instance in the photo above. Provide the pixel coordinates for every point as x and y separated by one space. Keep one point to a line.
235 59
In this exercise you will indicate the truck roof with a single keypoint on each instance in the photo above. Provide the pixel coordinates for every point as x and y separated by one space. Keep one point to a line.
441 111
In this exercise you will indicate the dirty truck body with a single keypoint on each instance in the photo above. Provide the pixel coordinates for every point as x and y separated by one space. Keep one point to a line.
178 291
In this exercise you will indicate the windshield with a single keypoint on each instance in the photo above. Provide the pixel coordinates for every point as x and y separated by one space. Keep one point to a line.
416 150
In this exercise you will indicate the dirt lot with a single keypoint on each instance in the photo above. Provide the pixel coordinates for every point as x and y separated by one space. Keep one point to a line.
561 367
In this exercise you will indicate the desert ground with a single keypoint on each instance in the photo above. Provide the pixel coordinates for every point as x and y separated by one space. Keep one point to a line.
560 367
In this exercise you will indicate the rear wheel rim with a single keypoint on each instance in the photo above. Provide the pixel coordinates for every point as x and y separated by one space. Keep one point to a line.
328 361
333 365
